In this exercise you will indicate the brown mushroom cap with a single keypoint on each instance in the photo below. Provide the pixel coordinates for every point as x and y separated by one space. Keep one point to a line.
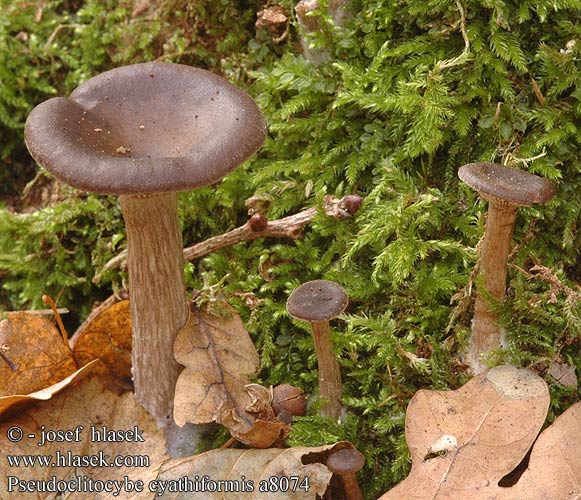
346 461
318 300
507 184
146 128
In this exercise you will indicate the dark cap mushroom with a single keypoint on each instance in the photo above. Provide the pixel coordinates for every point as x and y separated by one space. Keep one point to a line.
506 189
318 302
506 185
346 463
145 132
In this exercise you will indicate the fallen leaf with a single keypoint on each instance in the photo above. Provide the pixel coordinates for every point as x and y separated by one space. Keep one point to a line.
17 401
463 442
266 427
107 336
36 349
262 433
290 473
554 470
564 374
219 356
71 432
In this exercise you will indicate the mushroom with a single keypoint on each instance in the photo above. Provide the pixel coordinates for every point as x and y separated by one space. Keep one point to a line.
346 463
505 189
145 132
318 302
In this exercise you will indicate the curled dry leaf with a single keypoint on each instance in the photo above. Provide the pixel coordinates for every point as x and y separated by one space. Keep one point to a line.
107 336
554 470
37 354
14 402
79 410
266 427
218 356
463 442
285 474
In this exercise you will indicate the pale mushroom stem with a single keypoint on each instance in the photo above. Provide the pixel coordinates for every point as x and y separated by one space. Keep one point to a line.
486 332
157 294
330 385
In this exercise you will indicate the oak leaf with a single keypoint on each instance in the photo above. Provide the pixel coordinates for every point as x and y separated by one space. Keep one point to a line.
219 356
37 353
463 442
289 473
554 471
15 402
83 406
106 336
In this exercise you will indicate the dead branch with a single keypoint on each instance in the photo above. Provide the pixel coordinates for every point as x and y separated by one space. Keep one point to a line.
257 227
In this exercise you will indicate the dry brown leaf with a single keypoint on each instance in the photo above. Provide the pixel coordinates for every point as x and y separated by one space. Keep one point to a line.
266 427
10 404
463 442
34 345
262 434
290 473
107 336
218 355
554 471
85 405
564 374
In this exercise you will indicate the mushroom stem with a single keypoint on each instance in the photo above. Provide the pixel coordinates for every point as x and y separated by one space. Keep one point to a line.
486 332
157 293
330 385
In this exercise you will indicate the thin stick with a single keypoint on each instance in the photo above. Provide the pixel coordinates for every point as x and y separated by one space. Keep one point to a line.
287 227
41 312
49 302
12 365
228 444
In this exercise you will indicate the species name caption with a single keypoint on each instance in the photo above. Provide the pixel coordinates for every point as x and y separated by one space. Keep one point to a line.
79 483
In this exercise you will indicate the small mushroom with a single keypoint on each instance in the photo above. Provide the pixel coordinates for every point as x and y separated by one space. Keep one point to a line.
346 463
146 132
318 302
505 189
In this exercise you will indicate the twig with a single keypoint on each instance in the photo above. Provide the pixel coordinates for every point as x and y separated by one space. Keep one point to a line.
548 275
56 32
288 227
14 367
463 26
41 312
47 300
257 227
449 63
538 94
228 444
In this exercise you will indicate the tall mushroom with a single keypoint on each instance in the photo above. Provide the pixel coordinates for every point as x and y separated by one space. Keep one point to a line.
505 189
318 302
146 132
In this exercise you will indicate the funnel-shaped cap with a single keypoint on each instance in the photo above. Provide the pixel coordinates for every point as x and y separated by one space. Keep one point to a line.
507 184
146 128
318 300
